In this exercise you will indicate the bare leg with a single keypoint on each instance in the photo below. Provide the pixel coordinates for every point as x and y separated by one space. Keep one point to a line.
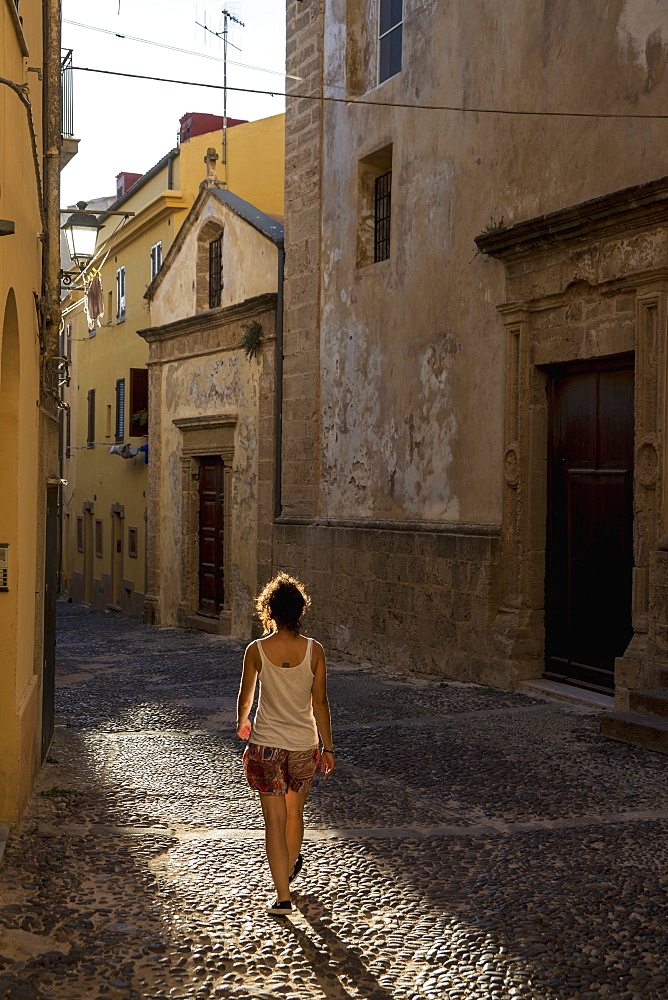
294 827
275 817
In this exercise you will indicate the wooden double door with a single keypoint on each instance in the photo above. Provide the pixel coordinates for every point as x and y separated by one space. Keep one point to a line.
211 536
589 553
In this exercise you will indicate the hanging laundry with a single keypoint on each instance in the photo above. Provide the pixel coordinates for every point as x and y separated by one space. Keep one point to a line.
124 450
94 303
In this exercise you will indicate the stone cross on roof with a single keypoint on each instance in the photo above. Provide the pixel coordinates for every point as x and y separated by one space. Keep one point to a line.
211 159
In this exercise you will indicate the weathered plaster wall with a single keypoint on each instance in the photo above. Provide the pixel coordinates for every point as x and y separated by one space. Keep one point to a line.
395 372
249 266
410 348
220 384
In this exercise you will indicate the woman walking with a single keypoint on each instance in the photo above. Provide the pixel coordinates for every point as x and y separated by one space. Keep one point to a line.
282 755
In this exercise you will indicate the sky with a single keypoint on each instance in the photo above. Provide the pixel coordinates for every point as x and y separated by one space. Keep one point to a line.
130 124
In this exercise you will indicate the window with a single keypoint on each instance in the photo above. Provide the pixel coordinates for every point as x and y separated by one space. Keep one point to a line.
80 534
120 409
390 30
375 207
90 439
99 549
68 432
132 543
381 220
156 258
68 342
120 294
138 402
215 272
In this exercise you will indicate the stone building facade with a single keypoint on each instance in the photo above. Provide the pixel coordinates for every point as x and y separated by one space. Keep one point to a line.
407 502
210 501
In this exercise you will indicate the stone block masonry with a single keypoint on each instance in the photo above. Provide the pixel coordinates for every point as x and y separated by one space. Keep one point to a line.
301 395
405 599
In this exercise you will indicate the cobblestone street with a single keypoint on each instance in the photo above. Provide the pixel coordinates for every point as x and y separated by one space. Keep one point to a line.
472 843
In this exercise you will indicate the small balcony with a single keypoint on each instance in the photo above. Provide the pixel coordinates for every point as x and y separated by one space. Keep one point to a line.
70 145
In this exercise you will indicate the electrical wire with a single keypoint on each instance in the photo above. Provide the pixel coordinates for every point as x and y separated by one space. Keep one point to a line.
378 104
21 92
175 48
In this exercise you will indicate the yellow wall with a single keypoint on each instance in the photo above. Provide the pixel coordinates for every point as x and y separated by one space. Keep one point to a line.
255 162
27 454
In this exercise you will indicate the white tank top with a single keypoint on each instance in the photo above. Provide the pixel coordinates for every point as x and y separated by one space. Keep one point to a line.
284 717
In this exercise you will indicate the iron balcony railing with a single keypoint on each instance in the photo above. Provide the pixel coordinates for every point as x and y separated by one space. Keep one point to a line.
67 94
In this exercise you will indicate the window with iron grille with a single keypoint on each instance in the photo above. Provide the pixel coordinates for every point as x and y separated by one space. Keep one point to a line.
99 539
138 402
156 258
120 294
90 439
390 38
80 534
132 543
120 409
215 272
382 217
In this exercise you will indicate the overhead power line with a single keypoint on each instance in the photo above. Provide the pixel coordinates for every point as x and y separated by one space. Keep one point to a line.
175 48
379 104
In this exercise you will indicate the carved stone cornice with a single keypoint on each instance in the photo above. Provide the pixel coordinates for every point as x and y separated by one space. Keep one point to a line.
211 319
633 208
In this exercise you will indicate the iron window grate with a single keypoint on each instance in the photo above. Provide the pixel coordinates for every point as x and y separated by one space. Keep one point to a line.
382 216
215 272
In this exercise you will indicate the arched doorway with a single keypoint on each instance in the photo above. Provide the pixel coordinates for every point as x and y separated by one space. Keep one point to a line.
9 463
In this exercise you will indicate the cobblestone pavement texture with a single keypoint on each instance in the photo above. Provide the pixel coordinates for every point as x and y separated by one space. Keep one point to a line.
472 844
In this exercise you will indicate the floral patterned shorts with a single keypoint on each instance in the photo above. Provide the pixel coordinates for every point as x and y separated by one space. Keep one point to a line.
272 771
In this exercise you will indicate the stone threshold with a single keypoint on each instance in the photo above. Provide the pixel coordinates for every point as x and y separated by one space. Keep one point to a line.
4 834
489 829
569 693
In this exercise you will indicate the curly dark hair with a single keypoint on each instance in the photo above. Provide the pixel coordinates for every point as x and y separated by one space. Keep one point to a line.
281 603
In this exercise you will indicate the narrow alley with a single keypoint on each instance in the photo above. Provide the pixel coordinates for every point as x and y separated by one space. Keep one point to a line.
472 843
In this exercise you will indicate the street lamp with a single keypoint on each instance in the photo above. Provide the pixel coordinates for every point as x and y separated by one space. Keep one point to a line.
81 230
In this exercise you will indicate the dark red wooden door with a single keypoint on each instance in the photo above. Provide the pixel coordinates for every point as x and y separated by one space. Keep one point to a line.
211 537
590 521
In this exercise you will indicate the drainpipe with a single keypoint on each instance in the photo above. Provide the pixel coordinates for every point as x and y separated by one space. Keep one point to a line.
170 170
278 435
52 136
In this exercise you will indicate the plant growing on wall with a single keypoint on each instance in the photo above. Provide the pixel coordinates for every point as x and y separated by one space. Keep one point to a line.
251 338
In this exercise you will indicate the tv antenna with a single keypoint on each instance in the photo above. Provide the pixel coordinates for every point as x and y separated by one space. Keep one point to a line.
228 17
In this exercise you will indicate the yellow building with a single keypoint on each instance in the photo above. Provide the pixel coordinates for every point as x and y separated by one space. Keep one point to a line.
104 505
30 127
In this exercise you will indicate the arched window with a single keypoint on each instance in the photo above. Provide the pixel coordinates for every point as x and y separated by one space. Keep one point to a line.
209 280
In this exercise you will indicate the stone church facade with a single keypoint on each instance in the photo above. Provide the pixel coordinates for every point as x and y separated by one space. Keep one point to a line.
428 380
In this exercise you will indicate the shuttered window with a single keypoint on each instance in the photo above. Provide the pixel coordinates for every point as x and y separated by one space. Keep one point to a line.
68 432
120 294
99 539
120 409
138 402
90 440
215 272
156 258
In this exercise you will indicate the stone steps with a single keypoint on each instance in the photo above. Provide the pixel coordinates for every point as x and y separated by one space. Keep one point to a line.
650 703
636 728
